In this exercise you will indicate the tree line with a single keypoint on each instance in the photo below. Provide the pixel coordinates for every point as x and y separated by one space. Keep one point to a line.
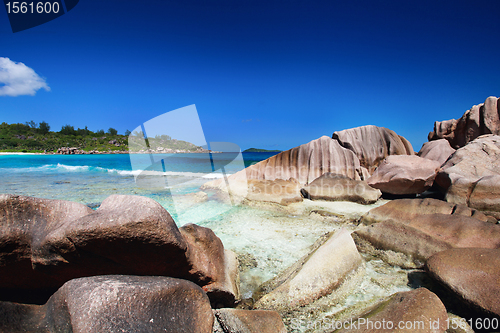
32 136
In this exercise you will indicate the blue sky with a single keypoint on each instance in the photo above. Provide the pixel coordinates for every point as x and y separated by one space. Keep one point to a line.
267 74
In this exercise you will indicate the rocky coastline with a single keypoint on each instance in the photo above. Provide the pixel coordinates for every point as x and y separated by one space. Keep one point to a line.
433 215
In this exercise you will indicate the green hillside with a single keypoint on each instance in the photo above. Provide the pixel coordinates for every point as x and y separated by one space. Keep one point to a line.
37 138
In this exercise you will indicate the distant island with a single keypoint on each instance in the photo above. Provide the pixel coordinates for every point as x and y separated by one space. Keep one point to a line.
258 150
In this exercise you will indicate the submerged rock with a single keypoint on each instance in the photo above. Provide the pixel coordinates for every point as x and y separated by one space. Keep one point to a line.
333 187
248 321
320 274
437 150
373 144
480 119
418 310
404 174
472 274
115 303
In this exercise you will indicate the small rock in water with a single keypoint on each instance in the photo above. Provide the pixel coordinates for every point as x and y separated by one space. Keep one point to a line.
94 205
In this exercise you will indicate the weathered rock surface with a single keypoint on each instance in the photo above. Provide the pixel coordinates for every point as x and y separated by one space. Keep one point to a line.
24 220
373 144
283 192
333 187
425 235
437 150
248 321
216 268
306 163
353 153
470 273
405 210
324 271
115 303
478 163
480 119
280 191
44 243
418 310
404 174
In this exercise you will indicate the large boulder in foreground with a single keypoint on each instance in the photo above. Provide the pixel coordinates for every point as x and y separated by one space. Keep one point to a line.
320 274
125 235
425 235
24 220
405 210
373 144
404 174
418 310
479 120
333 187
115 303
472 274
44 243
476 165
437 150
248 321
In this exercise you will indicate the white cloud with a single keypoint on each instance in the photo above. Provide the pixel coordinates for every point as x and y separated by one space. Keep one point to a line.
18 79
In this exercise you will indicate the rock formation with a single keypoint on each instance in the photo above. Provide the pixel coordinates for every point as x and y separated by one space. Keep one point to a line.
471 273
425 235
353 153
44 243
115 303
404 174
418 310
480 119
471 175
333 187
306 163
405 210
322 272
437 150
373 144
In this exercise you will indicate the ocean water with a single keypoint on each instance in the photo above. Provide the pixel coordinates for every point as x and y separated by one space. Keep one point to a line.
89 179
267 239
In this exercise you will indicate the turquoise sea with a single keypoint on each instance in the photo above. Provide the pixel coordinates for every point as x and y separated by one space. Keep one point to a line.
89 179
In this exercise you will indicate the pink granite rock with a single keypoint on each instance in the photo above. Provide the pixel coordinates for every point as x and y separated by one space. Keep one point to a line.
404 174
373 144
480 119
437 150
